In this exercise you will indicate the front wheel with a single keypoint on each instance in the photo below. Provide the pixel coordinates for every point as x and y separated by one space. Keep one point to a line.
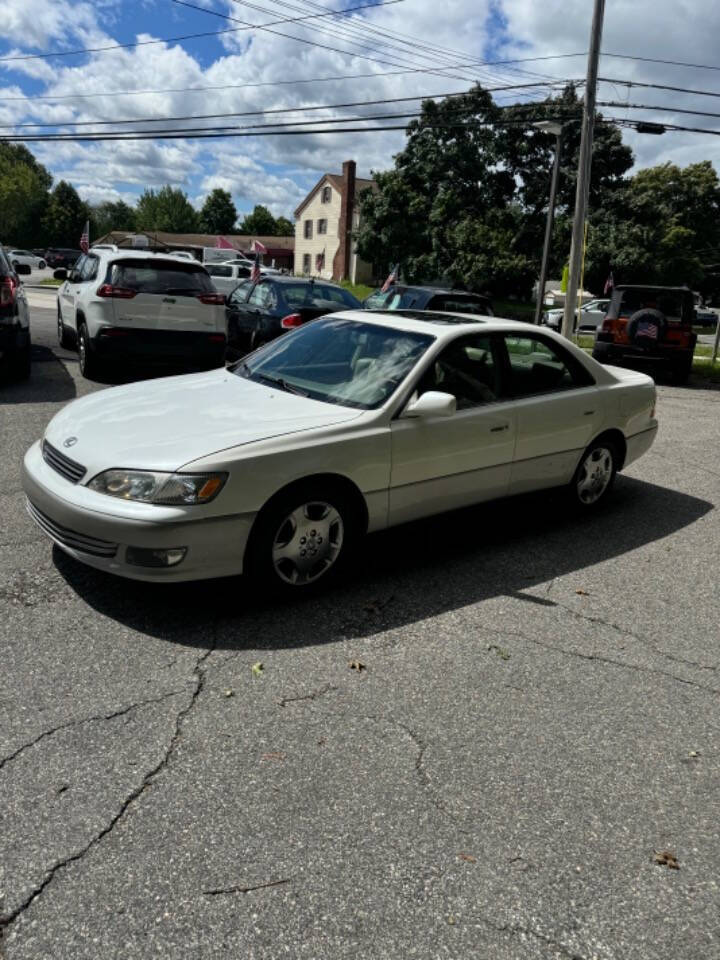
64 337
302 538
42 265
90 367
595 474
20 361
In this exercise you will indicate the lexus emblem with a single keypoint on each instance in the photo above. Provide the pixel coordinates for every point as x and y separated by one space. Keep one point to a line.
70 442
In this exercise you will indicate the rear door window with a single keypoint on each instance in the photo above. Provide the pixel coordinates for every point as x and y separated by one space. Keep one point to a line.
538 366
335 295
455 304
162 277
219 270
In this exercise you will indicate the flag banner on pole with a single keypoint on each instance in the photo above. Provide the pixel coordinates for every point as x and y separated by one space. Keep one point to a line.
85 237
259 247
224 244
391 278
609 284
255 274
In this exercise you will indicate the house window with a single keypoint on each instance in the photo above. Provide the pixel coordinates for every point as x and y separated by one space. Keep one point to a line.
320 262
322 226
306 263
326 195
308 229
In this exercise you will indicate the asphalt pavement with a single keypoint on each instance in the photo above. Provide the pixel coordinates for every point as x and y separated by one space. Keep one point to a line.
478 745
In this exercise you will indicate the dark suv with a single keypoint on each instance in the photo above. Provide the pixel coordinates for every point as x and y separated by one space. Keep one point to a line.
401 296
61 257
14 322
649 325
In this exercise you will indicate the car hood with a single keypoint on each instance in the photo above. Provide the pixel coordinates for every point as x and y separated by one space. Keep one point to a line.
165 423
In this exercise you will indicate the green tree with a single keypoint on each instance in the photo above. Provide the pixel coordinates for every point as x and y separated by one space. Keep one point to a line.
65 216
167 209
663 227
112 215
24 186
218 214
260 223
284 227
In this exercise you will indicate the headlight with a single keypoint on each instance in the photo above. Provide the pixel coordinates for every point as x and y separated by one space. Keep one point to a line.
150 486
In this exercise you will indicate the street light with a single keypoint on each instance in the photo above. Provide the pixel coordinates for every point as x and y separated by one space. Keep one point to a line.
548 126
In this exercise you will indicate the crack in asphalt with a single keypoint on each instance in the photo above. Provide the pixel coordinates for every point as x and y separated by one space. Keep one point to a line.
79 721
515 930
219 891
199 676
598 658
313 695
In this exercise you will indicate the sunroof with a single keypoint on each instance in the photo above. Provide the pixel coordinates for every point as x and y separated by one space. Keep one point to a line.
432 316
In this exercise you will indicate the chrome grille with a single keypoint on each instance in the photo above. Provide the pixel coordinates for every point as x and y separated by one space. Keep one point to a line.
70 469
70 538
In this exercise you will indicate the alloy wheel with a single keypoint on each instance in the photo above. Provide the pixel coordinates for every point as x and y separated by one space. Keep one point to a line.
594 475
307 543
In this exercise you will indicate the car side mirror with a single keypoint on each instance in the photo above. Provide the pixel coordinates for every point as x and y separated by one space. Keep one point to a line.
60 274
433 403
22 269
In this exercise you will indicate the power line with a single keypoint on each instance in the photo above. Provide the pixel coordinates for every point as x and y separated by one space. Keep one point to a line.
250 113
661 86
243 86
193 36
647 106
672 63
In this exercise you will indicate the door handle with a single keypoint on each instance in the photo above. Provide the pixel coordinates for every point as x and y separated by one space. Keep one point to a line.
499 429
588 413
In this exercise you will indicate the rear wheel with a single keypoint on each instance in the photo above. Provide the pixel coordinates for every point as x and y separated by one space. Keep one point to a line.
302 538
595 474
20 361
42 265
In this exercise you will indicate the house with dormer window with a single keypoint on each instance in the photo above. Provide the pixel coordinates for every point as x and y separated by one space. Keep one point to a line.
324 225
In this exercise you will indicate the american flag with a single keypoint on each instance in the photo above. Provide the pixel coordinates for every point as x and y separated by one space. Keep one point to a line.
647 329
609 284
85 237
255 274
391 278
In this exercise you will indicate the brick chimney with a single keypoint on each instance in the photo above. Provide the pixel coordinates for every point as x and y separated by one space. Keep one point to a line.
341 261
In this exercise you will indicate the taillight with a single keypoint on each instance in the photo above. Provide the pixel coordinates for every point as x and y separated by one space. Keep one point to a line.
217 337
607 325
291 320
107 290
214 299
8 287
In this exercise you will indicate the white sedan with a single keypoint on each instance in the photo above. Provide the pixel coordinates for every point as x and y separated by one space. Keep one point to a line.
349 424
26 258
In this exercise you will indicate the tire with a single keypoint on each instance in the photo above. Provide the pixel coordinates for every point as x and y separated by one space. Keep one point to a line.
302 538
42 265
595 475
15 265
90 367
65 338
21 363
647 315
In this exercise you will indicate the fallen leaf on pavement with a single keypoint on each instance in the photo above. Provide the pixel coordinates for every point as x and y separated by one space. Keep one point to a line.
666 859
357 665
500 651
257 668
581 593
467 857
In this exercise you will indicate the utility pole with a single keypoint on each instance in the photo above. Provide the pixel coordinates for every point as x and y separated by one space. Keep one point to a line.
557 129
584 163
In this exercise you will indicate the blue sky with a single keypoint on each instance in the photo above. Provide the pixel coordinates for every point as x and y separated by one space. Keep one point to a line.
278 170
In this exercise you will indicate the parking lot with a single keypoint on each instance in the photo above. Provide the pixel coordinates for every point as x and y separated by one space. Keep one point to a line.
481 743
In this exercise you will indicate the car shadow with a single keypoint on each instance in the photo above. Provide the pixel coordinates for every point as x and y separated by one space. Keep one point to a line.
400 576
49 380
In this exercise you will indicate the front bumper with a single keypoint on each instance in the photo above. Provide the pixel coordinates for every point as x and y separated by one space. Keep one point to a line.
215 545
201 348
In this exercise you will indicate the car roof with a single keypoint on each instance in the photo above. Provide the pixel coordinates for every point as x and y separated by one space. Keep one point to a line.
287 278
129 254
428 321
649 286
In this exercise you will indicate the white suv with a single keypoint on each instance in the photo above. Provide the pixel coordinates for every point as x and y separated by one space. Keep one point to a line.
136 305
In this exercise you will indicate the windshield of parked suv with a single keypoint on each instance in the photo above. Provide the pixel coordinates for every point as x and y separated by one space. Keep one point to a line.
161 276
338 361
303 294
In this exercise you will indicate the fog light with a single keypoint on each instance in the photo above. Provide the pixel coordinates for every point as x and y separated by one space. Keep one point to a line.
159 557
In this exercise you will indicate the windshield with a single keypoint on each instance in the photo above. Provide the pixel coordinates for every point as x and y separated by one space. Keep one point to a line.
338 361
161 276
